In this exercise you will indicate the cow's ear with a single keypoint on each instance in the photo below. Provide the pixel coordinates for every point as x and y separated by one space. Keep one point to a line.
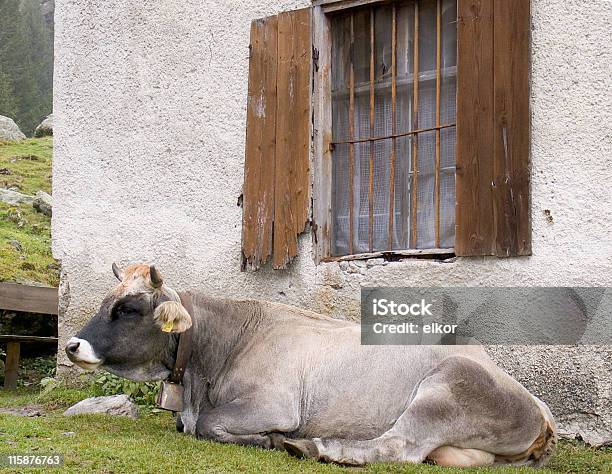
172 317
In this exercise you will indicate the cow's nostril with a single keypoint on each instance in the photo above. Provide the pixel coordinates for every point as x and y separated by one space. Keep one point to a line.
72 347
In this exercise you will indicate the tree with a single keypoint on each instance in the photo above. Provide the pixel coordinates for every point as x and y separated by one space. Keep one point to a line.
8 107
26 56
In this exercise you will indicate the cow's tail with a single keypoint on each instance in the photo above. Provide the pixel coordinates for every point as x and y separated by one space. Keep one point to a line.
542 448
548 437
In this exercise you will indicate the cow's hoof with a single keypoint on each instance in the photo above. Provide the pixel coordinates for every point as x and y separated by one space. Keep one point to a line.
302 448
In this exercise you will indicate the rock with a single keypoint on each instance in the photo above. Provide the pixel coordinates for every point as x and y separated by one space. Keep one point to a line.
16 245
43 203
45 128
13 197
28 411
5 171
373 262
117 405
595 437
9 130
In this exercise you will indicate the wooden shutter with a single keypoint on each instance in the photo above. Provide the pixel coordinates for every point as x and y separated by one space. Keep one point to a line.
493 168
276 192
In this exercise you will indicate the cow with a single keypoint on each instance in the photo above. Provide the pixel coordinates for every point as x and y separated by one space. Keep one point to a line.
275 376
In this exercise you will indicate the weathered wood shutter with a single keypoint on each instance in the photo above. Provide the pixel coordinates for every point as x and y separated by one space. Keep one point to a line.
276 192
493 169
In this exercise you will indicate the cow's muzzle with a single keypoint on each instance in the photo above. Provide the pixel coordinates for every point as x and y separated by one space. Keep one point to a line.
81 353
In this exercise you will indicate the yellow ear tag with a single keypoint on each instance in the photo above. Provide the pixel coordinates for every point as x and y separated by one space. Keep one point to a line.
167 327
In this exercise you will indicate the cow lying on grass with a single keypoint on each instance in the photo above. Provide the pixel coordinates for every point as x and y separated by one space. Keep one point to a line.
274 376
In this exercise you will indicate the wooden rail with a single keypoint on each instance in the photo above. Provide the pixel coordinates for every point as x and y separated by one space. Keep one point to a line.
27 299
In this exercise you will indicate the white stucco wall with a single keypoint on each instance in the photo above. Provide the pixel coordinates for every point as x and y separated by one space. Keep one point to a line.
150 121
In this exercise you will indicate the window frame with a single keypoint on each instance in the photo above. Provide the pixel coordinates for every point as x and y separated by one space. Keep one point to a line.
322 174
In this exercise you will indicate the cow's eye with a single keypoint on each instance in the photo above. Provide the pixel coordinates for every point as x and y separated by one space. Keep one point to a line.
126 311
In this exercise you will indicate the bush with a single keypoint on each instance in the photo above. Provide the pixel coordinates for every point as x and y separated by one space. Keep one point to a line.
34 369
143 393
31 370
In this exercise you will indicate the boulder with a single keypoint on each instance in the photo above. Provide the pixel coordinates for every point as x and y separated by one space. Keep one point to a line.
45 128
43 203
47 8
597 438
13 198
9 131
117 405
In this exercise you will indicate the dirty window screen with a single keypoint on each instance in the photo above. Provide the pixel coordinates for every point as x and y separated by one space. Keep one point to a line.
393 127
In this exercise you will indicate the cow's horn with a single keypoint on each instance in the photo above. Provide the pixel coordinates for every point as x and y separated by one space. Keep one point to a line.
118 273
156 279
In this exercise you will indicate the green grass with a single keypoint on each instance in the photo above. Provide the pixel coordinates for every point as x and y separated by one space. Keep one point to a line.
26 167
30 164
151 444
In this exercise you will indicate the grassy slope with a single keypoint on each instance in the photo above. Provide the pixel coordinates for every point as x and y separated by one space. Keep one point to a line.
150 444
29 170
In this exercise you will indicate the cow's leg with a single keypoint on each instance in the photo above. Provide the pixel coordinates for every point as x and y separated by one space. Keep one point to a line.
245 423
179 423
458 404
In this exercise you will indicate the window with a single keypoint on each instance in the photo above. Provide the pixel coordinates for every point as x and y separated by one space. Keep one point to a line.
393 126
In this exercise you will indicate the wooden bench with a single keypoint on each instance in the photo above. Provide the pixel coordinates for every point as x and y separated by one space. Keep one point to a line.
28 299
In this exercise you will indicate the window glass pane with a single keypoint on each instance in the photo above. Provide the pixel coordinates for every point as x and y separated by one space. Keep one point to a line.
426 214
405 60
362 174
361 54
447 187
340 200
362 46
427 64
403 167
340 78
448 93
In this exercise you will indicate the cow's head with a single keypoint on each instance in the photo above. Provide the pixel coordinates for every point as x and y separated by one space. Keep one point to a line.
132 333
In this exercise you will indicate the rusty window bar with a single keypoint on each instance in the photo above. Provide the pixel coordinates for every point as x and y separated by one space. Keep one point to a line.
393 125
396 135
352 136
415 121
372 123
438 105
